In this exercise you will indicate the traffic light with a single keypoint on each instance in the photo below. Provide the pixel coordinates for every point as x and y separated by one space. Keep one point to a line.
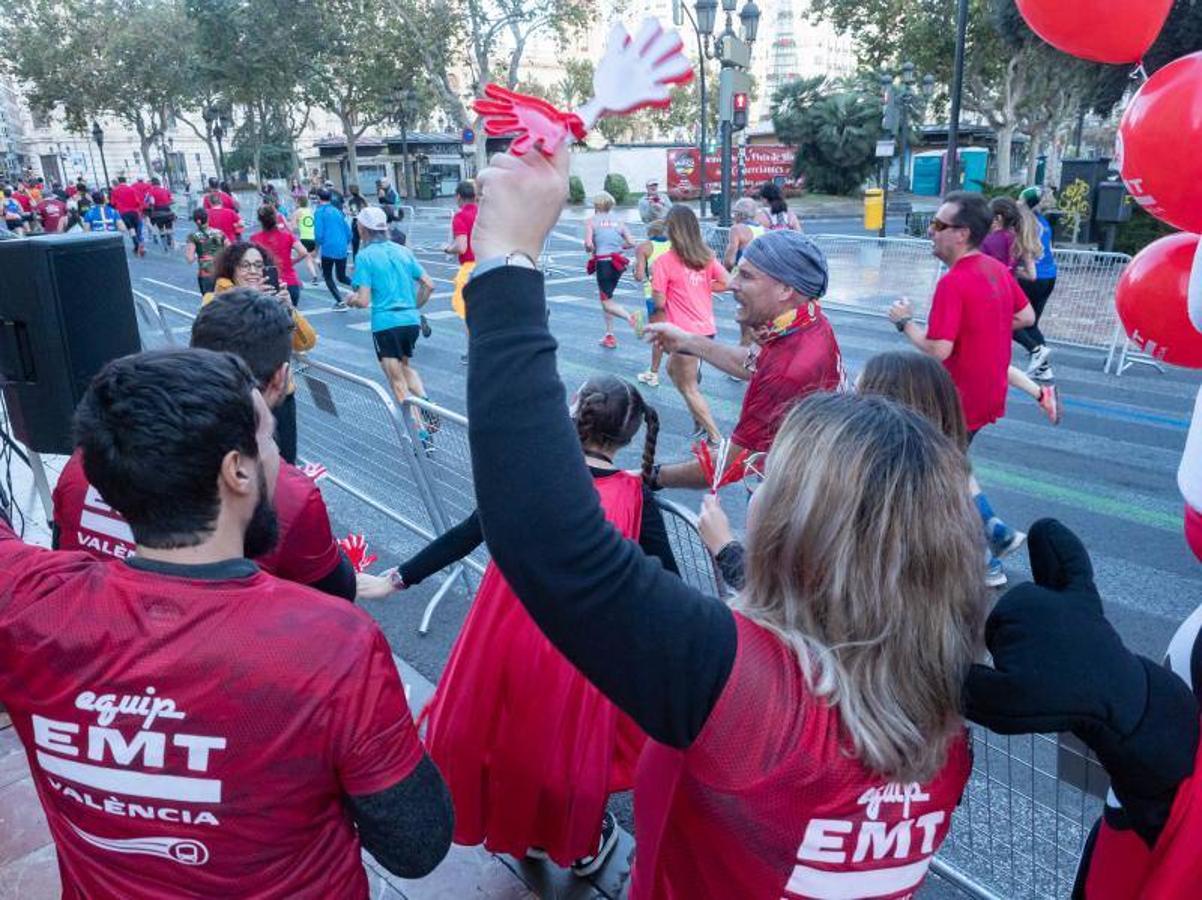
738 119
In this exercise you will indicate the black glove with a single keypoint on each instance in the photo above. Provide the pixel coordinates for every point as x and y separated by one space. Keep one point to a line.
1059 665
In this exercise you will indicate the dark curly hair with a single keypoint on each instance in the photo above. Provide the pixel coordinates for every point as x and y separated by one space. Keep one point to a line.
609 411
225 264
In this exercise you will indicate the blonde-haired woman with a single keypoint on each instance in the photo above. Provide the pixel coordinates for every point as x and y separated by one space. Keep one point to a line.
605 237
807 741
683 283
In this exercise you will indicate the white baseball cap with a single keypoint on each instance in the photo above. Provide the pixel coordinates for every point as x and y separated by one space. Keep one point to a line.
373 219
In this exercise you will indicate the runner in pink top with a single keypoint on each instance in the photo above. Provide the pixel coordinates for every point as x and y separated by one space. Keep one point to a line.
683 283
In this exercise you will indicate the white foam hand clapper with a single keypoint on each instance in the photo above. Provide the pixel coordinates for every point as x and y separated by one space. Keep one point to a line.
636 72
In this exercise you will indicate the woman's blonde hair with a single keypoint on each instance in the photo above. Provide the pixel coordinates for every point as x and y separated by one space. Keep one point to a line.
745 210
603 202
1018 218
864 554
685 234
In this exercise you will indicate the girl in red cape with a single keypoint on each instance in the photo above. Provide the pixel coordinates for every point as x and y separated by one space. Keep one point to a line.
530 749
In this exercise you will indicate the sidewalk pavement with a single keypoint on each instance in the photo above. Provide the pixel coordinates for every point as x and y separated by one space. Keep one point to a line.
29 870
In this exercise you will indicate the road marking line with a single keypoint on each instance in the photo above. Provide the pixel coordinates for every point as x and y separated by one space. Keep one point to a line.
174 287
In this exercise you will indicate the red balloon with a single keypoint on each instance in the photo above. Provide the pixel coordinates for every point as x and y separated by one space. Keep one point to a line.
1106 31
1153 150
1193 530
1152 301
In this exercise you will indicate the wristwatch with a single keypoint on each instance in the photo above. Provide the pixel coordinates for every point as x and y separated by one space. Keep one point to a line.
653 480
518 258
901 324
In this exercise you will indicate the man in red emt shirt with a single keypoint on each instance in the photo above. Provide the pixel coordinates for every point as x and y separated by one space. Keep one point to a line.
780 280
193 724
976 309
258 330
128 203
228 200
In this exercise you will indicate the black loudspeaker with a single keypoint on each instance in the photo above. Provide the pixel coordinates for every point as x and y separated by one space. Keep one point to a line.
66 309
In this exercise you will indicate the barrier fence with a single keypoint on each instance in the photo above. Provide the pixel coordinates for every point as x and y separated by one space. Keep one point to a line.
868 273
1030 801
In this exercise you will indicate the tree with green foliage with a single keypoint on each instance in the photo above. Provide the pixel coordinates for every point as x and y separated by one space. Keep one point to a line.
93 59
834 128
1012 78
363 54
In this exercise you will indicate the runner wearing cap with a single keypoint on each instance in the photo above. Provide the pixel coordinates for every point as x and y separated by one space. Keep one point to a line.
653 205
389 279
781 278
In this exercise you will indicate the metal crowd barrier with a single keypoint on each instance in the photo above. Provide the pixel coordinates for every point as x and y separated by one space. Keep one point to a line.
152 329
868 273
693 559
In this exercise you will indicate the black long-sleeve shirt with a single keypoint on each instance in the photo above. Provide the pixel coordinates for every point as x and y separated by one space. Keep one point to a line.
659 649
460 540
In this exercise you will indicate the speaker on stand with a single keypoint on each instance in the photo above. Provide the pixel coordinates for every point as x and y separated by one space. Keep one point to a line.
66 309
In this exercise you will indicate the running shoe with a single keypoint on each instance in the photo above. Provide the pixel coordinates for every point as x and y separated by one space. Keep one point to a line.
1004 540
537 853
1049 402
1039 358
588 865
427 441
341 306
432 420
649 378
995 575
609 342
314 281
1043 374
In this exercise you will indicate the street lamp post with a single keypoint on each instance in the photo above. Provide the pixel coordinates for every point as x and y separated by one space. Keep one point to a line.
220 121
735 56
402 97
953 129
98 137
703 28
901 103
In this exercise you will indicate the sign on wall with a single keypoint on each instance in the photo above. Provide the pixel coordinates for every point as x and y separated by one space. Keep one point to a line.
761 163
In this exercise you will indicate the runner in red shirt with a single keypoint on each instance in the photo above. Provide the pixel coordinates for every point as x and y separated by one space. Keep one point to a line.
285 247
128 203
259 331
162 217
976 310
53 213
806 743
223 218
460 246
228 200
778 287
193 724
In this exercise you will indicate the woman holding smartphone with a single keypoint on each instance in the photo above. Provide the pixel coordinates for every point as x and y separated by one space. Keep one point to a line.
243 264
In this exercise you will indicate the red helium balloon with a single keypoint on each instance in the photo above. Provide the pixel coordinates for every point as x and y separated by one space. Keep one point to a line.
1159 126
1152 301
1193 530
1106 31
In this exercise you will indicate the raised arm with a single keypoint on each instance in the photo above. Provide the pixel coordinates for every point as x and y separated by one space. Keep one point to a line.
658 649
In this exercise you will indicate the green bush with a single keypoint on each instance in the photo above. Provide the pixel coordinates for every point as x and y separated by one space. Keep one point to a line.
1141 230
575 189
616 187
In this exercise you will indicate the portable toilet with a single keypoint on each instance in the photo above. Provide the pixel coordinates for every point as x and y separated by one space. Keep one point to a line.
974 166
926 172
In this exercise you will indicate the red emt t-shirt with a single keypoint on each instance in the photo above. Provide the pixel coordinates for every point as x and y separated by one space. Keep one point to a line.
462 223
195 730
974 308
768 804
688 293
226 221
305 552
787 369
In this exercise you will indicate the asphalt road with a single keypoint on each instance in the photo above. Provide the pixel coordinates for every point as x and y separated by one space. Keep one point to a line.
1108 471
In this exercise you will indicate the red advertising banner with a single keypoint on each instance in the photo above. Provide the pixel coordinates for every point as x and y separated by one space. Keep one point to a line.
770 162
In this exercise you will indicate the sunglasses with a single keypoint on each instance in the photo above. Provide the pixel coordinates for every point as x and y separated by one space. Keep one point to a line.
938 225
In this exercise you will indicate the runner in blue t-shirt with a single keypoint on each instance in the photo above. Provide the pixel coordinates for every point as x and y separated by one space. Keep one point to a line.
102 216
1038 291
390 280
